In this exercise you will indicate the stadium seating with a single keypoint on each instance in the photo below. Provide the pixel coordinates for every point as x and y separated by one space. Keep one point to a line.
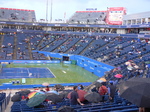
80 45
55 44
22 47
45 41
95 107
35 40
67 45
97 43
7 47
12 14
90 17
100 48
95 47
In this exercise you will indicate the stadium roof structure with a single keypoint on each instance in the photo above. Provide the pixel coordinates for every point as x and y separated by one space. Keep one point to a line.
137 15
15 9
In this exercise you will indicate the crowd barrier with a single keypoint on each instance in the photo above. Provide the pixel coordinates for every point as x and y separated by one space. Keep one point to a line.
20 86
36 61
70 25
4 103
77 33
30 61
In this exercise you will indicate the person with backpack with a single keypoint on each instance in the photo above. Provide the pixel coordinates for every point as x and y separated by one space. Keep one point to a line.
103 91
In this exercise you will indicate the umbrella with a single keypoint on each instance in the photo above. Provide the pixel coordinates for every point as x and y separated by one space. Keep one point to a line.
45 84
64 93
98 84
66 109
52 91
36 100
25 92
118 76
136 90
53 97
103 79
59 86
16 98
41 92
100 81
127 63
92 97
30 95
129 67
81 94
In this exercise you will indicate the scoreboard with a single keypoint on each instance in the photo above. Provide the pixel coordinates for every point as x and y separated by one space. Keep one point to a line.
115 15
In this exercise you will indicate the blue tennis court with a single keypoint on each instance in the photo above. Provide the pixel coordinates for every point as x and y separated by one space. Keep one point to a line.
11 73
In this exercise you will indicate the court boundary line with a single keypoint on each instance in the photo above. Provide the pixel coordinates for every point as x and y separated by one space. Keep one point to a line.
27 69
51 72
28 72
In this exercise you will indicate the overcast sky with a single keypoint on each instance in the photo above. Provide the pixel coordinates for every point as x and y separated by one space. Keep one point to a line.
60 7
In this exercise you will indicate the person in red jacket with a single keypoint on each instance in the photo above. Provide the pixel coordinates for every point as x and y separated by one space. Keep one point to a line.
47 88
103 91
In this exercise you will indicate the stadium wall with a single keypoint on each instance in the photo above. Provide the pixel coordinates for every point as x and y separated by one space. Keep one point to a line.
79 33
72 25
91 65
103 34
11 86
30 61
120 32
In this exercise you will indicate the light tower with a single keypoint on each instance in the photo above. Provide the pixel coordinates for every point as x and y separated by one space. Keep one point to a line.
46 11
51 11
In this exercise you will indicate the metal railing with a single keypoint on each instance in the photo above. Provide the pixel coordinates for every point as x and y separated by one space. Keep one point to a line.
4 103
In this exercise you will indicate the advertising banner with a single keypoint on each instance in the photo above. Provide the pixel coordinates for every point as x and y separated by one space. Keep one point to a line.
115 15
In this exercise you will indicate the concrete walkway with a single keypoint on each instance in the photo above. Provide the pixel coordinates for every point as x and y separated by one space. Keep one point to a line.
13 91
8 108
